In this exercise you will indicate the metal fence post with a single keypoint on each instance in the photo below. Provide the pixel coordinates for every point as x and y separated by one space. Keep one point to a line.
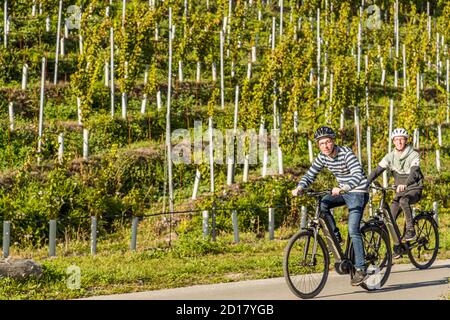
205 224
6 238
213 223
93 235
271 223
435 210
52 238
304 218
134 233
234 220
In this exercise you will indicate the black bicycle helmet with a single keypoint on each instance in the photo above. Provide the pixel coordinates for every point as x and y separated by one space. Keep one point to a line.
324 131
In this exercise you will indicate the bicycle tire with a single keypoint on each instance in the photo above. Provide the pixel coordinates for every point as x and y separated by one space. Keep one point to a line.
376 239
423 240
292 266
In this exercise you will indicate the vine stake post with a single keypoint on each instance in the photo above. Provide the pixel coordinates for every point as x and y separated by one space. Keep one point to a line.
106 69
180 71
416 138
85 143
296 121
24 76
318 57
198 71
196 184
396 28
263 147
429 21
5 24
124 8
144 101
273 33
124 94
391 120
41 110
448 90
211 154
369 160
112 69
79 114
61 44
58 36
11 116
214 71
369 150
222 89
359 40
246 167
310 151
168 125
61 147
358 134
158 100
438 151
404 67
281 17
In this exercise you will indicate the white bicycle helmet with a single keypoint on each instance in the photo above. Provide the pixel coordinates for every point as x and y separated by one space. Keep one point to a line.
399 132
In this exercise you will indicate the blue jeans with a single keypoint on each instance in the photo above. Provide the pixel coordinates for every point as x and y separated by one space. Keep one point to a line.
355 202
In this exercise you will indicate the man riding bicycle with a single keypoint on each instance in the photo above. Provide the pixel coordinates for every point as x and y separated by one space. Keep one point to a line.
404 162
352 191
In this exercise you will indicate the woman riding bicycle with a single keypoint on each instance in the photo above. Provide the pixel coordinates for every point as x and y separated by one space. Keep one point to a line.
404 162
352 190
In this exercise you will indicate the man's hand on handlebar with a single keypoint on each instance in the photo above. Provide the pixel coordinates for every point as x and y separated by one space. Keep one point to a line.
297 192
337 191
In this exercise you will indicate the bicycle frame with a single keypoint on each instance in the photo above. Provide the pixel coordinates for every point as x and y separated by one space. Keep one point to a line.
331 240
386 215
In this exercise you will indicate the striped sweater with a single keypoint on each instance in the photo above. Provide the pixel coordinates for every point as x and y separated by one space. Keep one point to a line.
344 166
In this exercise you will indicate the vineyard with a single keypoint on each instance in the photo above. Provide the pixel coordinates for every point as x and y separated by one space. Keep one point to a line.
103 102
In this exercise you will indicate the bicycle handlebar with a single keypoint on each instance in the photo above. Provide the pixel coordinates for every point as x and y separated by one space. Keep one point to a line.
392 187
312 193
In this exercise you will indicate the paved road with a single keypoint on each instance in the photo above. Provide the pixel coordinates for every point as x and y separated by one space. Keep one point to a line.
404 283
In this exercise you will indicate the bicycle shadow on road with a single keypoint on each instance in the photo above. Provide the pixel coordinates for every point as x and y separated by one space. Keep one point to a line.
394 287
417 269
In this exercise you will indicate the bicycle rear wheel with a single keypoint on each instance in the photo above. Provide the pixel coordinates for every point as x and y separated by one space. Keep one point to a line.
378 257
423 251
305 272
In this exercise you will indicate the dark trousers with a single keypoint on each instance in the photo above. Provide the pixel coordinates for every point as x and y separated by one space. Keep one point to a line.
404 200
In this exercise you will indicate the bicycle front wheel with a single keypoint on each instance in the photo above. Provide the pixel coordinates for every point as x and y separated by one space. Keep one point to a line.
423 251
306 270
378 257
